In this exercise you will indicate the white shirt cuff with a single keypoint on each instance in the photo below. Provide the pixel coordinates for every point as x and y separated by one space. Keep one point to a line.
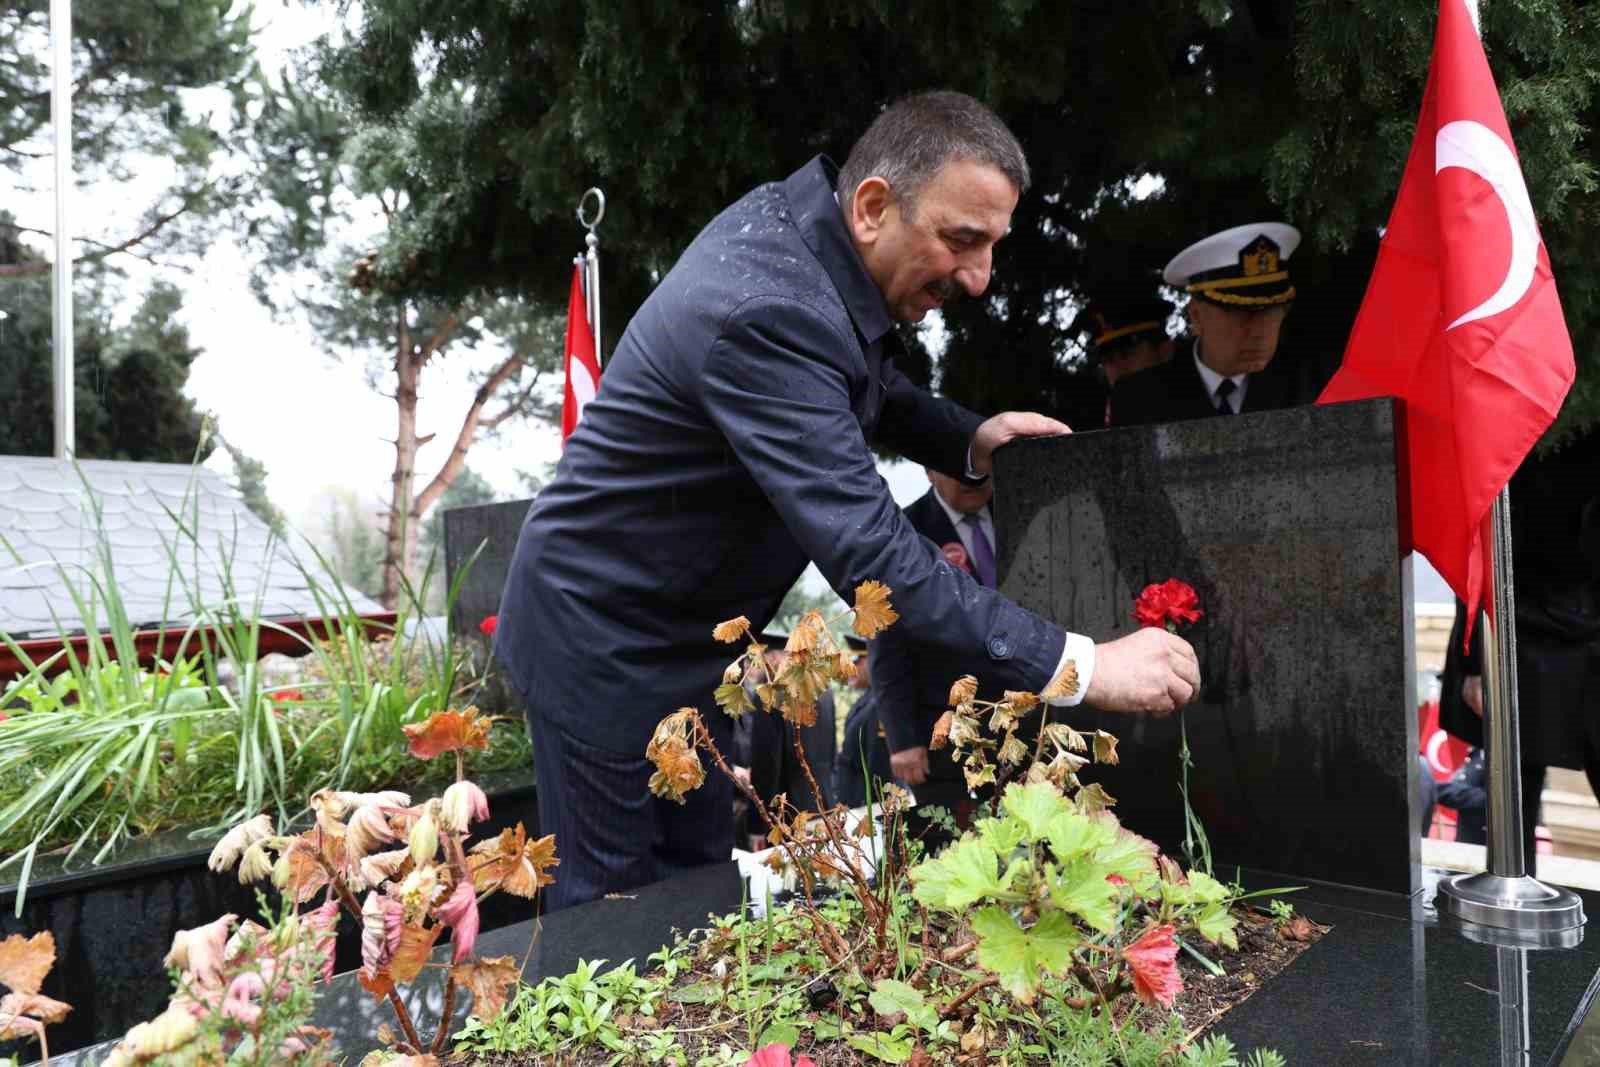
1079 650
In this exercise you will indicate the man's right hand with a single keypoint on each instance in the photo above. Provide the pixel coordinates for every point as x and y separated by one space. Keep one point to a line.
1150 670
910 765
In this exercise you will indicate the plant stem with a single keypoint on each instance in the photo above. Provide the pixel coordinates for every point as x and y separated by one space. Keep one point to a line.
967 994
405 1019
449 1010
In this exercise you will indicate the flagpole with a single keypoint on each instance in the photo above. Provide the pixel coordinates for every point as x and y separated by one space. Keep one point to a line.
65 432
1505 897
591 260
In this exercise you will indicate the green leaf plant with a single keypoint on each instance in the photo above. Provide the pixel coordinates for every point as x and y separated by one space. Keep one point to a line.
1047 932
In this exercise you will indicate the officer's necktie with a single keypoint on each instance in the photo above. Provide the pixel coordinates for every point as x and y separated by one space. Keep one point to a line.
982 551
1223 395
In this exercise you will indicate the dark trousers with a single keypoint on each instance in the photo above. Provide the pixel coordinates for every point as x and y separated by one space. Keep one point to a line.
612 834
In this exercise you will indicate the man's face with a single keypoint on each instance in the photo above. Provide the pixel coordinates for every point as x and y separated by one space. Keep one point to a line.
1236 340
963 498
946 245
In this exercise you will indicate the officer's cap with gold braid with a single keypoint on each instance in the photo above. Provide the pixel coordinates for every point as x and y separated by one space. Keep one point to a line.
1111 324
1244 267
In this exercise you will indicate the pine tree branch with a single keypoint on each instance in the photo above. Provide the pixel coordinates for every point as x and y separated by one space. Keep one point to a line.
41 266
514 407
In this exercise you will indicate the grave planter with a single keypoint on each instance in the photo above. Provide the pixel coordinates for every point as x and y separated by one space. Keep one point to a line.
113 923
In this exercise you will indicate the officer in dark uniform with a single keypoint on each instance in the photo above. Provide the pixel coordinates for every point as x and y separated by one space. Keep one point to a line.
1240 292
1122 335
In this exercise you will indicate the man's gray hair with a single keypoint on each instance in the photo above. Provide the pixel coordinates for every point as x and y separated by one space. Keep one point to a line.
915 137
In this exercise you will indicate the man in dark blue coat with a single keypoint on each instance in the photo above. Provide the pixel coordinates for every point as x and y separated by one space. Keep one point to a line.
728 445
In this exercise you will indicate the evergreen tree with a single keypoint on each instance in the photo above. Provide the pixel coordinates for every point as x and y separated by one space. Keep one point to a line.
502 114
128 381
135 69
324 176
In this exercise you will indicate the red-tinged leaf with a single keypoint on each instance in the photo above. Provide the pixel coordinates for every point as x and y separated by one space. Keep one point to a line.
24 961
777 1055
448 731
1153 960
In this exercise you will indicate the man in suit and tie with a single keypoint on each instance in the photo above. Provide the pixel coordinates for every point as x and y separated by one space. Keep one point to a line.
729 445
911 680
1239 295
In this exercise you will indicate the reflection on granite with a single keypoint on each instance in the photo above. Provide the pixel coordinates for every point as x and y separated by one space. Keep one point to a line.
1386 986
484 536
1304 736
114 923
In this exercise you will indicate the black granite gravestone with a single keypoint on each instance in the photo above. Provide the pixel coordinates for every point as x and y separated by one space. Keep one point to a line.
1304 738
490 531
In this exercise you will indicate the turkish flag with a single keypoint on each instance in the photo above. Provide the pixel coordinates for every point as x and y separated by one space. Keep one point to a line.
1461 318
583 366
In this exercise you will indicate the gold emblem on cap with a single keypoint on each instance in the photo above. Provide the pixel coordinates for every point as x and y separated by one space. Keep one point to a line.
1259 257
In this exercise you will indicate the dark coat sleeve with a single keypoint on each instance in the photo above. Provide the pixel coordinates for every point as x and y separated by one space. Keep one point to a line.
926 429
894 680
775 386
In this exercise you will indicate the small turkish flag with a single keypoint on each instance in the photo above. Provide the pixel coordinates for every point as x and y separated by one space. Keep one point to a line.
1461 318
583 368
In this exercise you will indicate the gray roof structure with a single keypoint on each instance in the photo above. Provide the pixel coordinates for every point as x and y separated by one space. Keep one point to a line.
174 534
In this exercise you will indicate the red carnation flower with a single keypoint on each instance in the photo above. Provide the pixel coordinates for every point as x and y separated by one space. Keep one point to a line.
486 627
1167 604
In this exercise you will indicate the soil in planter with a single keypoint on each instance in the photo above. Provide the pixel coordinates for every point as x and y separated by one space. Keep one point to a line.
701 1027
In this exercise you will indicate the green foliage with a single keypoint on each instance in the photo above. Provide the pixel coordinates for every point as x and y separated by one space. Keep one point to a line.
137 71
107 750
128 380
1059 863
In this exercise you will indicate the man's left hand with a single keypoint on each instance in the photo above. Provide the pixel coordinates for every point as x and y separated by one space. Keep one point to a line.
1007 426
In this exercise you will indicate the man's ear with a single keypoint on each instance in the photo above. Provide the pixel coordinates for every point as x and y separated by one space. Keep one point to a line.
869 208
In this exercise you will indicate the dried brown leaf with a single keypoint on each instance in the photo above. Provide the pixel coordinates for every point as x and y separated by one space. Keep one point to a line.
1065 684
874 613
963 690
732 630
941 731
25 961
1105 748
415 944
1020 700
489 980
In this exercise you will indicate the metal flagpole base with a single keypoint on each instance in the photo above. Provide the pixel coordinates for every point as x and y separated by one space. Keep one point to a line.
1525 905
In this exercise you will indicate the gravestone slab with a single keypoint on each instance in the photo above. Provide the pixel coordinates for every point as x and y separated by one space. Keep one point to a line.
495 527
1304 737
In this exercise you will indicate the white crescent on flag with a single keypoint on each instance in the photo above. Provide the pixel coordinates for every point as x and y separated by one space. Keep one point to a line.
583 383
1475 147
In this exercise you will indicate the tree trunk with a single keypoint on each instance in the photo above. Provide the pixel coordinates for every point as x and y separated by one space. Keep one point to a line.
400 546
